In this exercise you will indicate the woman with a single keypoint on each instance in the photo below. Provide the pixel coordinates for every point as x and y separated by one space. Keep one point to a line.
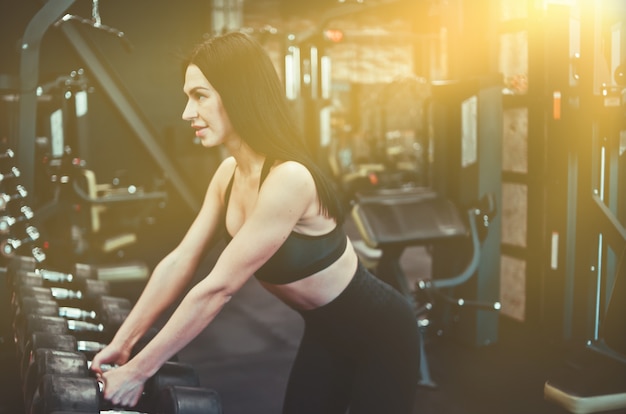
283 224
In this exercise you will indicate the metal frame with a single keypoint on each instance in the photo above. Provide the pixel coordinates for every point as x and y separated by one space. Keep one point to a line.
129 111
29 78
50 13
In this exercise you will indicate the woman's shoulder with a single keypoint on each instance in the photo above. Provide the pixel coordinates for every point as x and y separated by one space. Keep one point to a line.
226 168
222 175
228 163
291 177
292 172
289 168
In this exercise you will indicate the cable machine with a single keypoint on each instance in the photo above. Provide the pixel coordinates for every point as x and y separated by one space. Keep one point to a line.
53 14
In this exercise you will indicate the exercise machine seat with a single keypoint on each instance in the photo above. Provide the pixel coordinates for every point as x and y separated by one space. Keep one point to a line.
406 217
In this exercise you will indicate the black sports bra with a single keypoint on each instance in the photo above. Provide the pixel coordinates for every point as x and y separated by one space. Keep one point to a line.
300 255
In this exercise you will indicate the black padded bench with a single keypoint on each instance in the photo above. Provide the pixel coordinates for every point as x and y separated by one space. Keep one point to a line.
392 220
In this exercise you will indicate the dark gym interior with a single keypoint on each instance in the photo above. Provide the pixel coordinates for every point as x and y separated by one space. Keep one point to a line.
513 112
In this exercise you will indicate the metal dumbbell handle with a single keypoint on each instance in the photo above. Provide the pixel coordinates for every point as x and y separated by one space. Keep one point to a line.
64 294
76 313
104 367
6 222
89 346
15 173
10 245
54 276
82 326
7 154
38 254
6 198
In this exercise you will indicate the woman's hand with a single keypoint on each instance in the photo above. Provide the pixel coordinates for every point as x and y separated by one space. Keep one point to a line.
122 386
111 355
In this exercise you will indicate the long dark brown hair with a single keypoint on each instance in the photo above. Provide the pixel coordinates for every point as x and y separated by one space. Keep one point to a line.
241 71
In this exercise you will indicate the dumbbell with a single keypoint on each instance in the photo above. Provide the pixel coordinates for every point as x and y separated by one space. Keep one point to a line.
83 291
6 222
77 395
49 276
78 271
51 361
5 198
35 253
58 333
74 364
104 309
66 298
63 365
176 399
56 325
68 288
9 247
65 342
188 400
107 316
107 310
8 153
14 172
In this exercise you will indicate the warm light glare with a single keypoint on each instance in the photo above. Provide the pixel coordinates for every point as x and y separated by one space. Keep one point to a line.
334 35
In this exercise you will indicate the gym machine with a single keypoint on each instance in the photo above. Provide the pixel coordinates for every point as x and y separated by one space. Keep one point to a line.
592 377
594 380
92 220
455 217
390 221
26 142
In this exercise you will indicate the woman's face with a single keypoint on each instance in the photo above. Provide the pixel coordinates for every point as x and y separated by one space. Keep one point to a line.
205 110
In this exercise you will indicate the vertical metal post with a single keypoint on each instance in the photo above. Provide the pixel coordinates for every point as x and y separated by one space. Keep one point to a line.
490 160
29 77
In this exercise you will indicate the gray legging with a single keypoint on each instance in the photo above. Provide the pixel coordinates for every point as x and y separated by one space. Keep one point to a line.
360 351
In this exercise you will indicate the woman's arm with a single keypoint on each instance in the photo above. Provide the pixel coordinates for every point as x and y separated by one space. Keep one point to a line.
172 274
286 195
282 202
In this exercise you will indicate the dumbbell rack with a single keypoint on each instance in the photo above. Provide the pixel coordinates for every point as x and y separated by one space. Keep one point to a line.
59 322
17 235
51 322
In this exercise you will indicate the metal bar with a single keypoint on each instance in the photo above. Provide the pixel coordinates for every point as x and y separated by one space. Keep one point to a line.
29 77
572 230
602 348
613 231
598 289
129 112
